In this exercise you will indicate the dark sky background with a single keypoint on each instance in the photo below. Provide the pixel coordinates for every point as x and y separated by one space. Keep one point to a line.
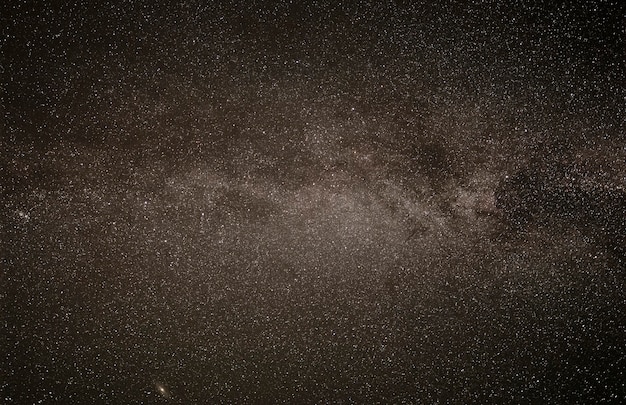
299 202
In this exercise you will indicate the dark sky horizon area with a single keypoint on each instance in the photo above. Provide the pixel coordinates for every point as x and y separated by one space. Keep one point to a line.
313 202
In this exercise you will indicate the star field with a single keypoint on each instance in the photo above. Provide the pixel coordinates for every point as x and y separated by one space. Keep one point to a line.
286 202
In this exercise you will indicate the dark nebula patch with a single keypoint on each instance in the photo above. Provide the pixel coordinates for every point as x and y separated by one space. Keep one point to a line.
294 202
566 194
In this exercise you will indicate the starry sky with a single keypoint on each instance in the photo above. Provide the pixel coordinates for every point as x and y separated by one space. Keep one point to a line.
303 202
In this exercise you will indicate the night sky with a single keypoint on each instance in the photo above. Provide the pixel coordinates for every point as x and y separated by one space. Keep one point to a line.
313 202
